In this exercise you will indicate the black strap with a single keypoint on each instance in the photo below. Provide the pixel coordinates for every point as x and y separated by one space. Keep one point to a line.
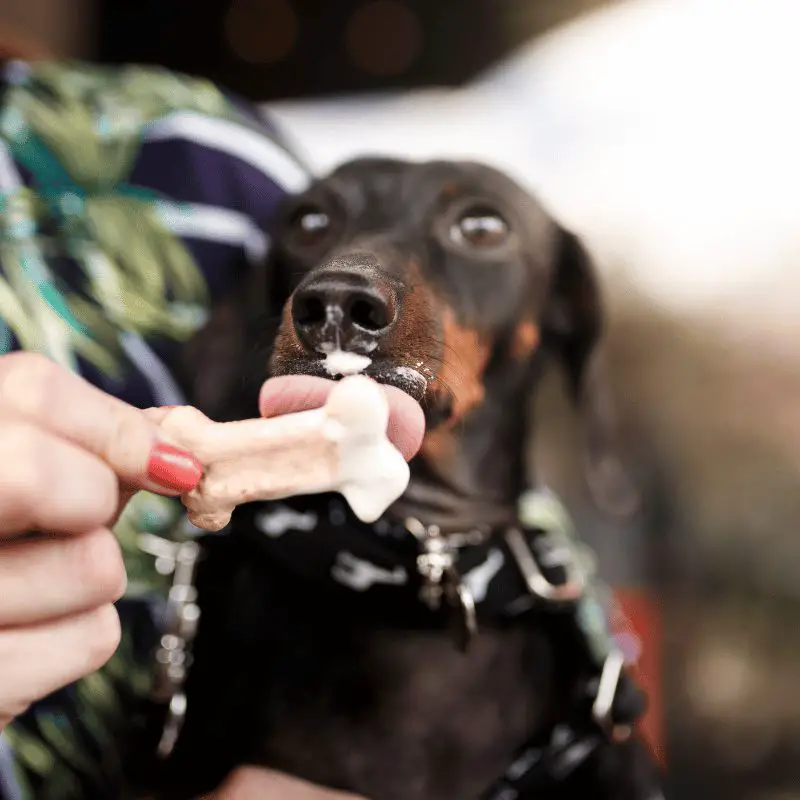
544 768
322 529
319 540
318 537
553 764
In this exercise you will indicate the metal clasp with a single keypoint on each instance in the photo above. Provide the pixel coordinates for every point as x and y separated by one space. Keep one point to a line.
436 565
607 687
570 591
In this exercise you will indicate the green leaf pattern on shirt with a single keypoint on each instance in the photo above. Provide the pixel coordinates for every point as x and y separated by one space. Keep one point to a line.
78 130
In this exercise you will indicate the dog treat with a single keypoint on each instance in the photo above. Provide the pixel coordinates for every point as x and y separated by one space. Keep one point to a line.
341 447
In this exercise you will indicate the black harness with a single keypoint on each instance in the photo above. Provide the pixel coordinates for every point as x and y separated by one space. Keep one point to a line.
470 576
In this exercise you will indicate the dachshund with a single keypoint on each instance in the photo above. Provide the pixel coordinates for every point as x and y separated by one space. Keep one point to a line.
316 654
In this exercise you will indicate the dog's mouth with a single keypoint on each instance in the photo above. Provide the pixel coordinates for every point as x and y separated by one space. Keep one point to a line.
410 376
304 384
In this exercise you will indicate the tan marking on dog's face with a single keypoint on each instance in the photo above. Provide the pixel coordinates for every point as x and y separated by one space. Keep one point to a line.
288 346
414 331
464 358
526 339
465 355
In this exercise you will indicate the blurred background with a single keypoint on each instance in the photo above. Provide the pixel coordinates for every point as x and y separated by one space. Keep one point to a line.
665 132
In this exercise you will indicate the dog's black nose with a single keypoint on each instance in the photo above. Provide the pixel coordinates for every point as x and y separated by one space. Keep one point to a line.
343 310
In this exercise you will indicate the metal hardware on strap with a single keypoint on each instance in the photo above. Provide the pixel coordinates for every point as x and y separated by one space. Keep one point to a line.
541 510
570 591
173 657
607 688
436 565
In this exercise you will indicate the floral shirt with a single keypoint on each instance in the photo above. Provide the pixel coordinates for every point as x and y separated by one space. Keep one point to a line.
129 198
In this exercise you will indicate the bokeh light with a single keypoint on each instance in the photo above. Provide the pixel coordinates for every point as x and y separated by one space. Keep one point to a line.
261 31
383 37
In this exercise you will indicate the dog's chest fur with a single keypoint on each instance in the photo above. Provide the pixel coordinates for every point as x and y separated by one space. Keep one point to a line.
402 714
312 683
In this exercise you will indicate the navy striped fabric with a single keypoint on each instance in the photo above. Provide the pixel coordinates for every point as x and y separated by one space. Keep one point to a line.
218 179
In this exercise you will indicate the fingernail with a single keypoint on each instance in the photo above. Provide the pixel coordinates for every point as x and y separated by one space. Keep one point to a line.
173 468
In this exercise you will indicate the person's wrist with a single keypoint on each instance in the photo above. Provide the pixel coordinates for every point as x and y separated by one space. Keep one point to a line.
260 783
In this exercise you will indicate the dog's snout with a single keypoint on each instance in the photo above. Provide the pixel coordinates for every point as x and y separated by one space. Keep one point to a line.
341 309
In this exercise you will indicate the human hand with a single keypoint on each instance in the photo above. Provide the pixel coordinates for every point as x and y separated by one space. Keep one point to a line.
258 783
70 457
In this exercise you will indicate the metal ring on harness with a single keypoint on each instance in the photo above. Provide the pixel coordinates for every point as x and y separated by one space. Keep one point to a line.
570 591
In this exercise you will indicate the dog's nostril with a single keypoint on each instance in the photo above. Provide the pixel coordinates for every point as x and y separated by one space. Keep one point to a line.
309 310
369 314
335 309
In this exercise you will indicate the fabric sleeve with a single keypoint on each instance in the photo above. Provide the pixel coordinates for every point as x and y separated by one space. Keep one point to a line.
130 200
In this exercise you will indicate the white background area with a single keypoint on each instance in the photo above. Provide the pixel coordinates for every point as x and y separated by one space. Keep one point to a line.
666 132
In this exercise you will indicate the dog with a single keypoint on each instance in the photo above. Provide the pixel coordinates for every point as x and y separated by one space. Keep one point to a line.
315 654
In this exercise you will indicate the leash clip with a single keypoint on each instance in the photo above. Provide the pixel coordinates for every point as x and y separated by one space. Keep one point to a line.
436 565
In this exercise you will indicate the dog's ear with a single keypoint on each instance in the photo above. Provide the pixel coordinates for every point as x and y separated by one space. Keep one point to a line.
572 330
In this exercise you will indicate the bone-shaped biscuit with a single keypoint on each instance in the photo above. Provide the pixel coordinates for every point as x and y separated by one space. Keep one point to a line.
341 447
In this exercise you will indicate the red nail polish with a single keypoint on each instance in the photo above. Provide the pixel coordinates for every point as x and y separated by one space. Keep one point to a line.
174 469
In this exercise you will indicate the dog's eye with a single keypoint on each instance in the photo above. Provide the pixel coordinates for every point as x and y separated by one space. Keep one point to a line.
310 224
480 227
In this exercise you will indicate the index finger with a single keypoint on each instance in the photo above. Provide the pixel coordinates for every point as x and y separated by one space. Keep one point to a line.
42 393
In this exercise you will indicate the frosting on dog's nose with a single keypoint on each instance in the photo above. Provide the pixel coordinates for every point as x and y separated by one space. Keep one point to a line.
340 362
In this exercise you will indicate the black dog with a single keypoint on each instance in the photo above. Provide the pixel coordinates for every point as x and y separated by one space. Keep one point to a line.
315 654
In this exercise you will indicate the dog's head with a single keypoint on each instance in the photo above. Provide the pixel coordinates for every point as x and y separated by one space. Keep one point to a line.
444 279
